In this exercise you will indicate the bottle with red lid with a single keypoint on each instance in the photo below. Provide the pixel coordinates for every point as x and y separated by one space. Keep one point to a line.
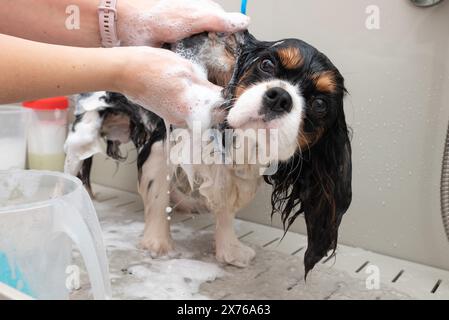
47 133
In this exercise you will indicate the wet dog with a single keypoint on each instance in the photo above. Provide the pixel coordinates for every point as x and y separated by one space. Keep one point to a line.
288 87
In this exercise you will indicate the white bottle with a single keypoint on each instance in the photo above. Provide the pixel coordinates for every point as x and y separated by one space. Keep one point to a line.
47 133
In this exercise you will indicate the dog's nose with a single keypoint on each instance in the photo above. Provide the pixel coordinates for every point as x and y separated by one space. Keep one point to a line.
278 100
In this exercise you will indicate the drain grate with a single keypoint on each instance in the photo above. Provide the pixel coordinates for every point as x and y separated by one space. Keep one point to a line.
107 199
121 205
246 234
297 251
396 278
270 242
206 227
436 286
362 267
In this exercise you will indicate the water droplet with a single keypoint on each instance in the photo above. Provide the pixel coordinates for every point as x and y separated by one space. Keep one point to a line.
168 209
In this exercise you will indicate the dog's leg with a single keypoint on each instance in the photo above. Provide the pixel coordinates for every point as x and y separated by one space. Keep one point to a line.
228 247
153 188
225 195
84 175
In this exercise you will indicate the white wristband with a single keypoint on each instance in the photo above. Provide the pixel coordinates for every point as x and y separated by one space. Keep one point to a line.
107 14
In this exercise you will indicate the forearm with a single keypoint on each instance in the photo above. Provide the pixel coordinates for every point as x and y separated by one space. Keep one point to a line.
45 21
140 22
32 70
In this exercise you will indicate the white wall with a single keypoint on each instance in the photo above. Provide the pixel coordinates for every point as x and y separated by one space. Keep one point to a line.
398 79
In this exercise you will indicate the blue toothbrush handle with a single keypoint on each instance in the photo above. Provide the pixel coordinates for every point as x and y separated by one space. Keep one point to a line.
244 4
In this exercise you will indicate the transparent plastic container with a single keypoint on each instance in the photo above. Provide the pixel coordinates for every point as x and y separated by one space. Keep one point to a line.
42 214
14 122
47 133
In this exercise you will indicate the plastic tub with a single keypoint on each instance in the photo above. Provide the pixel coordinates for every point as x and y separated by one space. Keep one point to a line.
47 134
42 214
14 122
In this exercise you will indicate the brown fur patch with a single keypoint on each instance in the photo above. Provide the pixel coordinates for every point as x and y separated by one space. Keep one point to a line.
291 58
221 74
241 87
307 140
219 77
240 90
325 82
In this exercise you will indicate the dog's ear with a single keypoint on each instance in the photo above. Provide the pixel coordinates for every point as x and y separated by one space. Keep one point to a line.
327 192
318 184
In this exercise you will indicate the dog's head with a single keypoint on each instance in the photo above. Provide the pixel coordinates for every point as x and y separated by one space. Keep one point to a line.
292 87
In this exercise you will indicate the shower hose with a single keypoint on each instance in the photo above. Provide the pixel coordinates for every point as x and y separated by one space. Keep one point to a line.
445 186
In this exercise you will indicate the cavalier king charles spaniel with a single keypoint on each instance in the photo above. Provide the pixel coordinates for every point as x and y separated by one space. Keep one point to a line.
287 86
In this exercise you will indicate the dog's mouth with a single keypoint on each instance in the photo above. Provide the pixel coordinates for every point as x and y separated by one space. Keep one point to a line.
250 123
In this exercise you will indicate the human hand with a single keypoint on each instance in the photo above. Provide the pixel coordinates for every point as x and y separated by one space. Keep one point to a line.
165 83
154 22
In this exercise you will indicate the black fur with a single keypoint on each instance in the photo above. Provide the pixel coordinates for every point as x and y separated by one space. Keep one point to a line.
84 174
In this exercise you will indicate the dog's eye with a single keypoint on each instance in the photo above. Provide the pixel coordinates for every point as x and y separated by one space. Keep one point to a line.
267 66
319 106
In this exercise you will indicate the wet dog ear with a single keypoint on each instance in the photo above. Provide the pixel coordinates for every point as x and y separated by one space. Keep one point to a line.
317 184
327 180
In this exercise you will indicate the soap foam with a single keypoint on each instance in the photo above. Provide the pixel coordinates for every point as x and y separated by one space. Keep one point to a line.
195 98
170 21
162 278
90 102
177 279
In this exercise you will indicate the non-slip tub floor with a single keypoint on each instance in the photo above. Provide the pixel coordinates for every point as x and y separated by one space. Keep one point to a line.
276 272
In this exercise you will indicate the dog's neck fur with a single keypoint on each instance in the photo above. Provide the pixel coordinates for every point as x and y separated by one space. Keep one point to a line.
218 55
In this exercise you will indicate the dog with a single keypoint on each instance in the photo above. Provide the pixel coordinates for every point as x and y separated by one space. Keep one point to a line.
288 86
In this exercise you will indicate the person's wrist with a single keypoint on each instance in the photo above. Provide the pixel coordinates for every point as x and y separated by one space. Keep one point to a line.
125 13
116 61
126 64
130 18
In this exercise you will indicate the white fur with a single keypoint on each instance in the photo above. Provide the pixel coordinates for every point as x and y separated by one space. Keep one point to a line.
246 114
90 103
83 142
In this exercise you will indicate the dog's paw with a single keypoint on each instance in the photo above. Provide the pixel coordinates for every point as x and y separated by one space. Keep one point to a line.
235 253
157 247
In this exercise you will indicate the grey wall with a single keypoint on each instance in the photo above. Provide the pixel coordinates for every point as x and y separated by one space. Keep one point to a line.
398 79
